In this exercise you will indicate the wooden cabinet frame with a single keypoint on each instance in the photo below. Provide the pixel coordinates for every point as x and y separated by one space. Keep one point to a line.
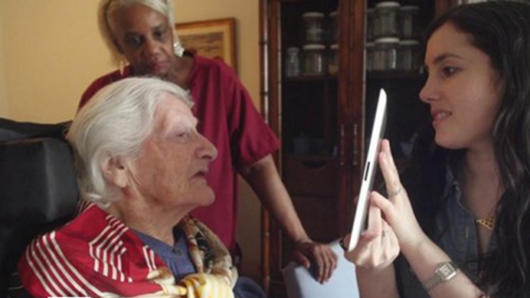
351 123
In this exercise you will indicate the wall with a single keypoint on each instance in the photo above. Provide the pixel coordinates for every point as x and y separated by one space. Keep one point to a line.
51 50
4 108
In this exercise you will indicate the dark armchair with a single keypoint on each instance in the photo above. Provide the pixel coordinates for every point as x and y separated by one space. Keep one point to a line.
38 189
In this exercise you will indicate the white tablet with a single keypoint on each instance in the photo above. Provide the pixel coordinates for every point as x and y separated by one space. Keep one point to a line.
370 167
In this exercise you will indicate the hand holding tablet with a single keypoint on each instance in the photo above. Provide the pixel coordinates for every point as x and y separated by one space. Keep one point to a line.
370 167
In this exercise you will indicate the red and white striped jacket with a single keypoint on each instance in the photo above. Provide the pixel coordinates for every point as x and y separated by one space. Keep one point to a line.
95 255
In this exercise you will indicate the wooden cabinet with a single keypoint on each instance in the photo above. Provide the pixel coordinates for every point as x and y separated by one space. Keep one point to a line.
324 119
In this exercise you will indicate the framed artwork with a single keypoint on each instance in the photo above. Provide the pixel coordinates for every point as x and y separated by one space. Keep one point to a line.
210 38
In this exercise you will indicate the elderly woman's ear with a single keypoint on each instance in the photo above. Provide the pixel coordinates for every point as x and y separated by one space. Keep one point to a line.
115 171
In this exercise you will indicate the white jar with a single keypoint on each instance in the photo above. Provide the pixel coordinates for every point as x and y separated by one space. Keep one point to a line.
408 21
314 59
386 19
370 20
369 56
385 53
292 62
333 26
314 29
408 55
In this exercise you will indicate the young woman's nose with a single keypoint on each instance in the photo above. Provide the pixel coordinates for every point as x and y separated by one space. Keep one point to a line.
428 91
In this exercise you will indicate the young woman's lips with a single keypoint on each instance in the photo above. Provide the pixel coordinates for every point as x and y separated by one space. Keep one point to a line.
438 117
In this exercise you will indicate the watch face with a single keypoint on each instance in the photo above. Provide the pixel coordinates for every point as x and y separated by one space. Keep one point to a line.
447 271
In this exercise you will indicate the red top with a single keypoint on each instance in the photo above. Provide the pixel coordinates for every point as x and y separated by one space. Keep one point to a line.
229 120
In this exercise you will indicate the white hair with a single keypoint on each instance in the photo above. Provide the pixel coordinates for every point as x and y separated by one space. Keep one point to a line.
115 123
106 13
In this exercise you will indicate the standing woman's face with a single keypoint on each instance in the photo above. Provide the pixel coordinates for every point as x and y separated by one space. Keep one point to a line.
463 90
145 37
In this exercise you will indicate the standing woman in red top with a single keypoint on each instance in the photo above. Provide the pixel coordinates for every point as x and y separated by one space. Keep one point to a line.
141 34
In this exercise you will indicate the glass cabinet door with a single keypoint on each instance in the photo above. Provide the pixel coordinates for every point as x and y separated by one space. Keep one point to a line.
394 59
303 47
324 63
309 106
309 44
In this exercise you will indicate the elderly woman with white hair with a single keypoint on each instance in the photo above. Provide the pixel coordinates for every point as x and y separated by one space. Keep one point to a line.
141 36
141 165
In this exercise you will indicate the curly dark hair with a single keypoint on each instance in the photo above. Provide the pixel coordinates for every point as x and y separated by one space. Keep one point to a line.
500 29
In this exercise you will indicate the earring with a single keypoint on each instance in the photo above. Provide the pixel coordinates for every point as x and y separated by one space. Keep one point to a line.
121 66
178 49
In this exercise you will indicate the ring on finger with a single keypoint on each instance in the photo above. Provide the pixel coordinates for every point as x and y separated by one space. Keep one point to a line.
395 193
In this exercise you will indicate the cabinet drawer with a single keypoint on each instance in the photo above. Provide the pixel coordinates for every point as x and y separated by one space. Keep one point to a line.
315 177
319 216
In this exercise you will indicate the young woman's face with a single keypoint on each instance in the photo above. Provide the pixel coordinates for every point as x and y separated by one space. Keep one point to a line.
463 90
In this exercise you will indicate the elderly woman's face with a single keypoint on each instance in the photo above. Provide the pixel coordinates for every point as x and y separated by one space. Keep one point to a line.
145 38
170 170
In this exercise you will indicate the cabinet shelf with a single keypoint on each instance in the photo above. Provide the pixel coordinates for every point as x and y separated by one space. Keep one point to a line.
311 158
310 79
394 75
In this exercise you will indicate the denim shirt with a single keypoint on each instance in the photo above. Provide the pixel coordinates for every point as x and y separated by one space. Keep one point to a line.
456 235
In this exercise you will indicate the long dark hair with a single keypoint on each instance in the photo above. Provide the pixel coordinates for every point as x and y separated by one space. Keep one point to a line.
501 29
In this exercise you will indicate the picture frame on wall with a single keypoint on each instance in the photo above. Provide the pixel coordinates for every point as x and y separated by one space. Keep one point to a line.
210 38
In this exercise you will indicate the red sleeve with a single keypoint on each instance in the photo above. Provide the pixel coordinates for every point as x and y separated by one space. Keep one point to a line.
100 83
251 138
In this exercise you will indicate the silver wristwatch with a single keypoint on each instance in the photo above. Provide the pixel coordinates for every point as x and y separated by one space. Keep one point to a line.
444 271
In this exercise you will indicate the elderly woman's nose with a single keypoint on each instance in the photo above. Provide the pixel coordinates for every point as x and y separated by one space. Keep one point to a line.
206 150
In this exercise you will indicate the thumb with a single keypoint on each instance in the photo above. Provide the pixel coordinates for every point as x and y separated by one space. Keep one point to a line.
301 259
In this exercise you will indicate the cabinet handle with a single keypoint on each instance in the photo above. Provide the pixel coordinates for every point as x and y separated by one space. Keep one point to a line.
341 159
355 147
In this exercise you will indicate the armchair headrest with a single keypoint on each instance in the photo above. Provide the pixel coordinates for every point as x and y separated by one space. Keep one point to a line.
14 130
38 188
38 181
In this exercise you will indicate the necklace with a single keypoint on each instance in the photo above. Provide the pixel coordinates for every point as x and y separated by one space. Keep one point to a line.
487 222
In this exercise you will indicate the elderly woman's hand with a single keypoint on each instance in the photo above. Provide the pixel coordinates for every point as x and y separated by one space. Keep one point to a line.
321 254
378 246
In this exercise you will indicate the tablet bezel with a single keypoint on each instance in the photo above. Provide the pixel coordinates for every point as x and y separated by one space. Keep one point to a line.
369 170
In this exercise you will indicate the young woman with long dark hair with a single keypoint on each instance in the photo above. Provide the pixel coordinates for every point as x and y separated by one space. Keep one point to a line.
464 230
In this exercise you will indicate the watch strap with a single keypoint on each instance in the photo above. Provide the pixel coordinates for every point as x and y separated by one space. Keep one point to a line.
444 272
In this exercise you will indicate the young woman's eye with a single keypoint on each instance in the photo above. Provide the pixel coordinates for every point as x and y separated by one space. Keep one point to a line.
449 70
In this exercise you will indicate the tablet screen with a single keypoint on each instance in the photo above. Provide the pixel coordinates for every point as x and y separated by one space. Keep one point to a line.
370 167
